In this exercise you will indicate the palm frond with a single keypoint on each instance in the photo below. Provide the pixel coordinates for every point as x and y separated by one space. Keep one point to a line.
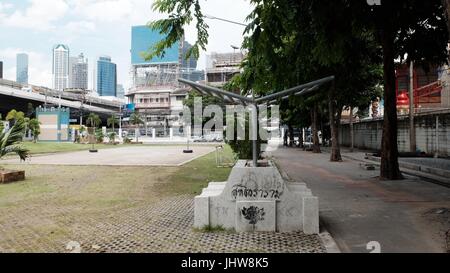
9 141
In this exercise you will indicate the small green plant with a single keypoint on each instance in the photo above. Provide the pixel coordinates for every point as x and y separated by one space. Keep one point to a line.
11 139
213 229
99 136
127 140
112 137
35 127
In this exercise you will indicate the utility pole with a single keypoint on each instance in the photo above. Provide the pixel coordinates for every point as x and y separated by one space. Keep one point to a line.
352 133
412 129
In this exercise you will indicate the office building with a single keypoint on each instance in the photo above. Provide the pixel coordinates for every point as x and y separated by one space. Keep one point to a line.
60 67
78 72
106 77
120 91
22 68
155 91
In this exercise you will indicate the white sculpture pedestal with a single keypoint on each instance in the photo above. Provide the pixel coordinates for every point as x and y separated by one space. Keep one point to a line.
257 199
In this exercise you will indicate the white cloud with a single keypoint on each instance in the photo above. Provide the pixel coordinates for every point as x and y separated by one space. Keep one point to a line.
103 10
39 15
79 27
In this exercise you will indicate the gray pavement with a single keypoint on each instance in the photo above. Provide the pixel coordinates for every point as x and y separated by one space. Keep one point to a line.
356 208
125 156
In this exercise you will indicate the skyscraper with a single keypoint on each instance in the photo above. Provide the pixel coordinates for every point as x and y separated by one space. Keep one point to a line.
60 67
120 91
78 72
22 68
106 77
1 70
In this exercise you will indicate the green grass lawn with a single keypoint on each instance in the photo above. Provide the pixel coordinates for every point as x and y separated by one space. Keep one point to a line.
54 201
191 178
56 147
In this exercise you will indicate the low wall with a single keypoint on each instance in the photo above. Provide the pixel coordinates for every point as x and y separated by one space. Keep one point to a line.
368 134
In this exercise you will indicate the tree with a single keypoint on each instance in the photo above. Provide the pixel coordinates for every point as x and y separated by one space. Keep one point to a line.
30 110
292 41
13 116
93 120
413 28
10 141
35 128
136 120
112 121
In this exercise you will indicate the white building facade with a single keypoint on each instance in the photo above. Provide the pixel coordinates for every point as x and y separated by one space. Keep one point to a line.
60 67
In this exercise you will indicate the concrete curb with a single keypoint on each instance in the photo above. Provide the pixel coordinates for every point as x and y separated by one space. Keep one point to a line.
329 243
412 169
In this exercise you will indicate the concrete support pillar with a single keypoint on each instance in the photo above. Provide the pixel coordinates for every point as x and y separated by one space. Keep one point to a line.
153 133
436 155
170 133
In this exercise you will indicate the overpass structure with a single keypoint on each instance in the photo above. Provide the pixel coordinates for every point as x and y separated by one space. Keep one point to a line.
17 96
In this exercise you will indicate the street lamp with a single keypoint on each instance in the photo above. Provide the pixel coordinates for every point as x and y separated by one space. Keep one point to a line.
221 19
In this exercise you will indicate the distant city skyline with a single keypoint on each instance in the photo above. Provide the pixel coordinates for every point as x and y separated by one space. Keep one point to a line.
35 26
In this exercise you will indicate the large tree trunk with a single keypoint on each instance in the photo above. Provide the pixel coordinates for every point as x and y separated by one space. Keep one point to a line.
291 135
446 4
389 169
335 120
315 126
300 138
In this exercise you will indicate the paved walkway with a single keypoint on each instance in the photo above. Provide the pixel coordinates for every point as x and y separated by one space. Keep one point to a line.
356 208
149 228
140 155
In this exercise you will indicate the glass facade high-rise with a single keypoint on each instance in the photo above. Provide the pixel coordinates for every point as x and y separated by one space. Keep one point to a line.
106 77
22 68
142 38
60 67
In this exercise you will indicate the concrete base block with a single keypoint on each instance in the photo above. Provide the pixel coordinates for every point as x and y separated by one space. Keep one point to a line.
201 211
311 215
257 199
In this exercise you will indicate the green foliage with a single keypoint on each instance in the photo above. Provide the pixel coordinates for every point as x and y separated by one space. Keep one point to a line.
35 127
30 110
242 148
1 124
112 121
180 13
11 139
93 120
136 119
99 136
14 116
112 137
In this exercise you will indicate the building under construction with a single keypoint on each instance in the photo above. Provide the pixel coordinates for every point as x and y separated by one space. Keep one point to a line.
155 93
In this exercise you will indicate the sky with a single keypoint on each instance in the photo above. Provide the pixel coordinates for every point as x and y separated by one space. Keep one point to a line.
97 27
